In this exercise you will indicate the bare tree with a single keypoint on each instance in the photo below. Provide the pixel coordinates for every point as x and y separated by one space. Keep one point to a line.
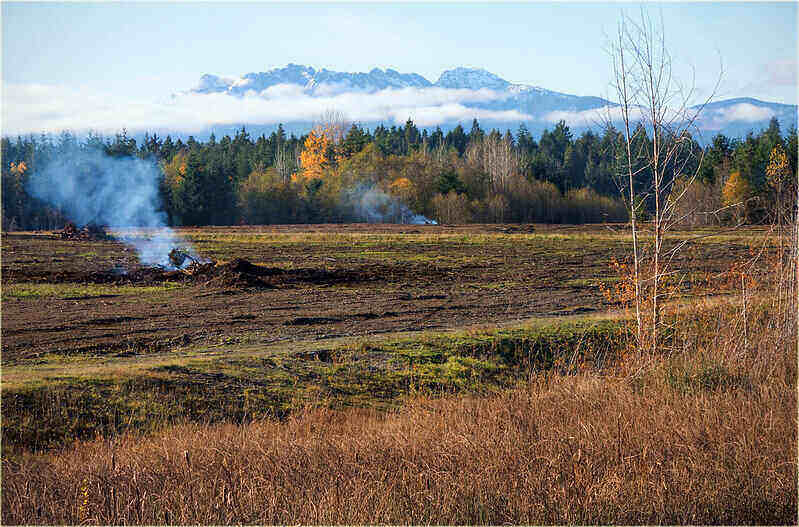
335 123
654 101
283 162
497 158
625 101
440 153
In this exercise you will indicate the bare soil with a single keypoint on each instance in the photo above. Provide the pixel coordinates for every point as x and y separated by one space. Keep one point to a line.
309 285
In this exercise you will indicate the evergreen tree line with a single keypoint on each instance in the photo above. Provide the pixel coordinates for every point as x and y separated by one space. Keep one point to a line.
345 173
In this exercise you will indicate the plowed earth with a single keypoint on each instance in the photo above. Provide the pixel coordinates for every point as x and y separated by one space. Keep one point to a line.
298 282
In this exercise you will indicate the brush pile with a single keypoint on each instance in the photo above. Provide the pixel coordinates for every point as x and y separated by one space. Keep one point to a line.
516 229
89 232
238 273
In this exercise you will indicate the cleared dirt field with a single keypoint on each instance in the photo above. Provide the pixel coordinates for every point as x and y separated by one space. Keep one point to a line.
357 374
75 297
291 316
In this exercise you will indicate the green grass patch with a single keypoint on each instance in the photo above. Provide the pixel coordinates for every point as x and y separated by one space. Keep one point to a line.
708 376
240 386
73 290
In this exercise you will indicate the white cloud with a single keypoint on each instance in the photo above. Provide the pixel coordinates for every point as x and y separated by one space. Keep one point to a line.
584 118
597 116
281 90
716 119
434 115
37 108
711 119
745 112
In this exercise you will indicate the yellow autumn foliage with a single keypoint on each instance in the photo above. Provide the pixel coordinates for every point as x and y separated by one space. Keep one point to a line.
313 158
175 170
402 187
777 169
736 190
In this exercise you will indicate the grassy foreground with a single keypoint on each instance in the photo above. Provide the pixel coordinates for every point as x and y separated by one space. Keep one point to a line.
555 420
706 435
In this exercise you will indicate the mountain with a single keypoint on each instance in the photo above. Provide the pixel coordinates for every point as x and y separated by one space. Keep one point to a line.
471 79
312 81
530 100
479 89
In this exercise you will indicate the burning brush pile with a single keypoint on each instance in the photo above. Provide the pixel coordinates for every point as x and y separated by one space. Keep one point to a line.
239 272
90 232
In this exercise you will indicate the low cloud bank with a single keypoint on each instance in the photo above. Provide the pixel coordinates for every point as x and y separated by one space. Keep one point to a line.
709 118
44 108
717 118
34 108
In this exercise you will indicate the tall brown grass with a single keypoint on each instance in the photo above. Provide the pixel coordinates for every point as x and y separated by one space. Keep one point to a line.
702 432
707 436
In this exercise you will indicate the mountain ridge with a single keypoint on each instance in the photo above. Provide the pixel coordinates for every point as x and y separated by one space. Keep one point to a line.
736 116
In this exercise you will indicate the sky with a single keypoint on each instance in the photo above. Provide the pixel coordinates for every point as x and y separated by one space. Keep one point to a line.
127 58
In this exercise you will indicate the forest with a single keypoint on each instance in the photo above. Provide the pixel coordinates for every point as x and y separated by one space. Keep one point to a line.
342 172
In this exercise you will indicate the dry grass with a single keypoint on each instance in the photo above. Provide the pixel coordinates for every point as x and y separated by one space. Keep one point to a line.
703 432
703 438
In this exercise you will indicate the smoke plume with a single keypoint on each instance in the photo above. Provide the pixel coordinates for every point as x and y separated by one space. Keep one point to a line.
372 205
89 186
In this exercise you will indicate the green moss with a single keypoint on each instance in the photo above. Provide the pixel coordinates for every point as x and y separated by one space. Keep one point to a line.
238 387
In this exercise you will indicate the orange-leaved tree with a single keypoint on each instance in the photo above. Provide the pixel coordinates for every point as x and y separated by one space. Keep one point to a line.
313 158
402 187
18 169
736 193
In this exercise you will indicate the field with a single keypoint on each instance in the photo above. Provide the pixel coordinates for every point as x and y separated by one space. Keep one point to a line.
347 325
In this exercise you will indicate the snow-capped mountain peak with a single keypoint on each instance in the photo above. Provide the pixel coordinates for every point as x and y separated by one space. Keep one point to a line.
311 80
536 106
471 79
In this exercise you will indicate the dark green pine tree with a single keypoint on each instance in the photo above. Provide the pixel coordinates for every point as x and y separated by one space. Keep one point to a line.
792 149
167 149
448 182
476 133
191 203
525 141
355 141
412 137
458 139
715 154
436 138
573 168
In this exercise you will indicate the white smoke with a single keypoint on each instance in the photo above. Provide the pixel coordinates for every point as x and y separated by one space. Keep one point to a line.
89 186
372 205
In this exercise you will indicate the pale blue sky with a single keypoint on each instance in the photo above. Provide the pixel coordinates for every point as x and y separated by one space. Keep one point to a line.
152 50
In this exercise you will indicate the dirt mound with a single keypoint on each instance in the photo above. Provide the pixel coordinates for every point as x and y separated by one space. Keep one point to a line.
237 274
242 273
